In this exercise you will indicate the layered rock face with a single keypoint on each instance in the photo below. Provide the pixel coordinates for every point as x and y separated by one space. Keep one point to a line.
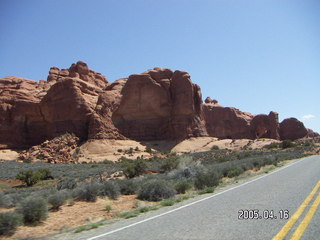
32 112
158 104
226 122
78 70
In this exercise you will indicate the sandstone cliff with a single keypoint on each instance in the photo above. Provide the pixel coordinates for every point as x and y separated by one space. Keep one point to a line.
158 104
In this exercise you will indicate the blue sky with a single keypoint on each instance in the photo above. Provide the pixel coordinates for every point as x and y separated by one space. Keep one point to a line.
255 55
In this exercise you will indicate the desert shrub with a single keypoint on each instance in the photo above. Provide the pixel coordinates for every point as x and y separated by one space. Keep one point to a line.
308 144
148 149
169 163
206 190
272 145
33 210
45 174
207 178
127 186
167 202
110 189
57 200
9 222
182 186
5 201
232 171
67 183
108 208
29 177
133 168
287 144
86 192
215 147
156 190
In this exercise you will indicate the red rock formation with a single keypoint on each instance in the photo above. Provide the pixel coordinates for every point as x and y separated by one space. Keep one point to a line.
265 126
312 134
31 112
78 70
227 122
159 104
292 129
208 100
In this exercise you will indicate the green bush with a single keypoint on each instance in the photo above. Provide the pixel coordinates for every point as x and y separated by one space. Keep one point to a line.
207 178
5 201
57 200
167 202
287 144
156 190
87 192
133 168
45 174
215 147
148 149
169 163
127 186
29 177
108 208
110 189
206 190
67 183
33 210
9 222
232 171
272 145
182 186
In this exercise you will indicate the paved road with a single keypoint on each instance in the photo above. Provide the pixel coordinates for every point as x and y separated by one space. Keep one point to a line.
215 216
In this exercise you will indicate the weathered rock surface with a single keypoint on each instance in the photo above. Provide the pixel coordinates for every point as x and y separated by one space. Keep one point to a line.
159 104
227 122
32 112
312 134
265 126
78 70
61 149
292 129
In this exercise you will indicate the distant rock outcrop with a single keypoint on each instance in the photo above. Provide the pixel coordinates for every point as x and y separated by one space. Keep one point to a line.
158 104
227 122
292 129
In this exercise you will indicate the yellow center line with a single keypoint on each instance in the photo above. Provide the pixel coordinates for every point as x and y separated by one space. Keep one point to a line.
304 224
286 228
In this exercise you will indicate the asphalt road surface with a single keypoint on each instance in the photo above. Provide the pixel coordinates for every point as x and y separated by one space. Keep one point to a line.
270 199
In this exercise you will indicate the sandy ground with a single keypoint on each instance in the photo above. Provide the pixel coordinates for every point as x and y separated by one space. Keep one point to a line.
7 154
113 150
81 213
109 149
100 150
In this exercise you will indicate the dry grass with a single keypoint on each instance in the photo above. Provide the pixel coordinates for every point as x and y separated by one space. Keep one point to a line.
80 213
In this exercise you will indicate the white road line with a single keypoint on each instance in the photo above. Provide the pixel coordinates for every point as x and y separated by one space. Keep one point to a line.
190 204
